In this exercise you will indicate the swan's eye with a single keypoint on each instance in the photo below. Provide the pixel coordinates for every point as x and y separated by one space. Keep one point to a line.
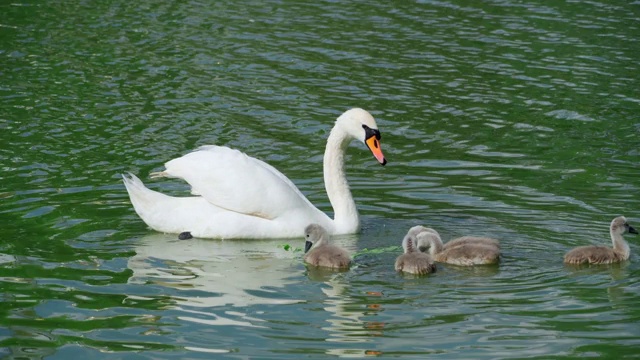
369 132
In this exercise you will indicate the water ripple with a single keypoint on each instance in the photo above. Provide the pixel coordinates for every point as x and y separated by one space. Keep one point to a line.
506 119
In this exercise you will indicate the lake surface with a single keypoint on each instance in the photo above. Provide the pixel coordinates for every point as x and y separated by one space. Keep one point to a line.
518 120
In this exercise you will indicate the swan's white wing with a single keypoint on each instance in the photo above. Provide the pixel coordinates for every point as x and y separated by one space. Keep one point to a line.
234 181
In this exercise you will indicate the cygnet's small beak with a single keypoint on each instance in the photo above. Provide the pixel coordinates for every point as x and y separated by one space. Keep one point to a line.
373 143
632 230
307 246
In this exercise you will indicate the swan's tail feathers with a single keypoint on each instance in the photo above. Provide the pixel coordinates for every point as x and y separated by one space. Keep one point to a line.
143 199
158 174
132 183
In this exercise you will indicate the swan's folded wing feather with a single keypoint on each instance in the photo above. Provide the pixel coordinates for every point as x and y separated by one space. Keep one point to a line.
235 181
464 240
470 254
592 255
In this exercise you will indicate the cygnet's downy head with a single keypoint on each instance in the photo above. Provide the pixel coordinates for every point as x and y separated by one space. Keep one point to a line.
428 241
314 234
620 226
359 124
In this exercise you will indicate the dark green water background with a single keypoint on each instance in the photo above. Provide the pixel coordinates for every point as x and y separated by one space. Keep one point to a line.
514 119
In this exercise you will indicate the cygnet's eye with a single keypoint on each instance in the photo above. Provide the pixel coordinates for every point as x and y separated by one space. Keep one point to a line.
307 235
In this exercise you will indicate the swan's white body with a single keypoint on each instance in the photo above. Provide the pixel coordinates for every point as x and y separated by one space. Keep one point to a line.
237 196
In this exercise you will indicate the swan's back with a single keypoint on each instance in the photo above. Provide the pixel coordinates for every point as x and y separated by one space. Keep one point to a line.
469 254
329 256
217 173
415 263
466 240
592 255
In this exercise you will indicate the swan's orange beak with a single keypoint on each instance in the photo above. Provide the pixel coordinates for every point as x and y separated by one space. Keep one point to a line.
373 143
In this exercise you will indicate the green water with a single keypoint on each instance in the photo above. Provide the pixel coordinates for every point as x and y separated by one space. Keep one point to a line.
511 119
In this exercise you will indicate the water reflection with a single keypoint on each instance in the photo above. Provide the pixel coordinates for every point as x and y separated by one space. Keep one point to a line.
209 277
511 119
211 273
612 278
6 259
348 314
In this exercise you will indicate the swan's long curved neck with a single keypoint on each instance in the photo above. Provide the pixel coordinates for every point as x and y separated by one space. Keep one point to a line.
432 241
344 208
620 245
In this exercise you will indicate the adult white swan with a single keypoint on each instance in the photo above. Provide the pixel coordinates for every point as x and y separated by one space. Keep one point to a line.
237 196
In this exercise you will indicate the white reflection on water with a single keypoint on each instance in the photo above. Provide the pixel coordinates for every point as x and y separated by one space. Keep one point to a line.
208 276
348 323
237 273
5 258
210 273
346 315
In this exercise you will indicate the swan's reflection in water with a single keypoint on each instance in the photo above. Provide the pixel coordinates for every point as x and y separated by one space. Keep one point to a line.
214 282
214 273
349 313
348 324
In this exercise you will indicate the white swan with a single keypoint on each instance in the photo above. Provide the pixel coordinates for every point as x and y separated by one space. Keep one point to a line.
237 196
602 254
